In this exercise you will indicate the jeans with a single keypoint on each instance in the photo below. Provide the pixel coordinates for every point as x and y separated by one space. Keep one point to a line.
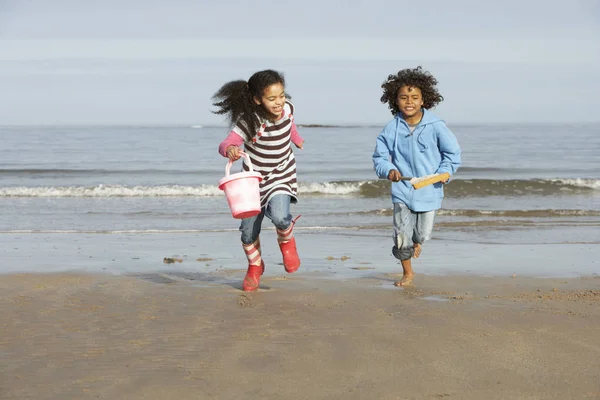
277 210
410 227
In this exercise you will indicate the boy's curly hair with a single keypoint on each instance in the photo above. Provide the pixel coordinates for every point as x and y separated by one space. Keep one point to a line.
415 77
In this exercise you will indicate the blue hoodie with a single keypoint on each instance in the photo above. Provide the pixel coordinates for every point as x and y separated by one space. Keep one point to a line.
430 149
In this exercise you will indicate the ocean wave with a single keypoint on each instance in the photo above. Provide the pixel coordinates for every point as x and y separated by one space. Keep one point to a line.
70 172
545 213
16 172
330 188
176 231
515 171
460 188
112 191
371 189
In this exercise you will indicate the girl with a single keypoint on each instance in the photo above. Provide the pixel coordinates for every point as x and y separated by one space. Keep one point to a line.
414 143
262 120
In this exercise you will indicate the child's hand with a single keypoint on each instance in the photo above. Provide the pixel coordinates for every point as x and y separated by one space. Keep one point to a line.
447 178
394 175
233 153
300 146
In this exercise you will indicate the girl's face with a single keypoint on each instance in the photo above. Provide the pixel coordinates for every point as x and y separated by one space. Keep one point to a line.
409 101
272 100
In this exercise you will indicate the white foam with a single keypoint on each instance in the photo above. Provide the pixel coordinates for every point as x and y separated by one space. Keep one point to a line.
305 189
324 188
330 188
111 191
580 182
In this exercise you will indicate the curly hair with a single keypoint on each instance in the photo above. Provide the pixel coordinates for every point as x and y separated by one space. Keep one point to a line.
415 77
236 99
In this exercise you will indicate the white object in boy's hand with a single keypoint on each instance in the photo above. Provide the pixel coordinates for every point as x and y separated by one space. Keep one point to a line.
422 181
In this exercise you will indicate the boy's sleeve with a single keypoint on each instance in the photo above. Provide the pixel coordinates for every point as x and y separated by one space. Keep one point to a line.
450 150
381 157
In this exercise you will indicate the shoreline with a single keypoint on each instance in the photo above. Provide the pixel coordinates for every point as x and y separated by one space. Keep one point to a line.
341 254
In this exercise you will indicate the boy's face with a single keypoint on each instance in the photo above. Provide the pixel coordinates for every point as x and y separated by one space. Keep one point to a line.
409 101
273 99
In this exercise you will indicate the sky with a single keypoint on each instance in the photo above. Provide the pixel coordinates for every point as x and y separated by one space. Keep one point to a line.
159 62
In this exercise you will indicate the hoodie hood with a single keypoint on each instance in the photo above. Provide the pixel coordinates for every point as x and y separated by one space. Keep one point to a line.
428 119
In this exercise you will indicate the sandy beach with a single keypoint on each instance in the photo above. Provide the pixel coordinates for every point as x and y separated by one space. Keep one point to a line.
165 336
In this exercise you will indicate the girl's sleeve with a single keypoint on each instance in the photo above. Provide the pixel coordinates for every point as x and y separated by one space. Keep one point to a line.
289 109
449 149
296 138
233 139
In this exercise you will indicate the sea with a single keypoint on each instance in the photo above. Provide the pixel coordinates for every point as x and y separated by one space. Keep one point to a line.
124 199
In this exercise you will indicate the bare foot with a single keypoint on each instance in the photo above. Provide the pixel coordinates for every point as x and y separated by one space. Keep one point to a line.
417 250
405 281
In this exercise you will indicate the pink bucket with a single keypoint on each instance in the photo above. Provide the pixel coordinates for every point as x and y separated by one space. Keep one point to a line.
242 190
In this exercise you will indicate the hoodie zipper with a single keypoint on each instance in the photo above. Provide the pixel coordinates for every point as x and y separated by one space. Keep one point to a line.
412 159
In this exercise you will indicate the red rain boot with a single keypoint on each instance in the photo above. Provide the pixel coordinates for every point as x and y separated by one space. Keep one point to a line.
291 261
252 279
287 244
256 266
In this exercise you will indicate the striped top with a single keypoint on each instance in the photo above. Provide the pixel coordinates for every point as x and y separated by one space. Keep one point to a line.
271 154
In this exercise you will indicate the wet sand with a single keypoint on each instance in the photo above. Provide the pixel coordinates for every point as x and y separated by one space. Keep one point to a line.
181 336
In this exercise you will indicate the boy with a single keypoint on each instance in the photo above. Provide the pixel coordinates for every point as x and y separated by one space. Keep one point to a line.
415 143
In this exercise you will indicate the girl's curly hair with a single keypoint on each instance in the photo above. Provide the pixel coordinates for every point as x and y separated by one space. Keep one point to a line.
415 77
236 99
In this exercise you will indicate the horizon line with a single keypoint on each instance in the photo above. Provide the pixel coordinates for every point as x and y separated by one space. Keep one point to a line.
304 125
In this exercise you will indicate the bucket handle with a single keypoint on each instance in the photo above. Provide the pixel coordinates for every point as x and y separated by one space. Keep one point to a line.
230 163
